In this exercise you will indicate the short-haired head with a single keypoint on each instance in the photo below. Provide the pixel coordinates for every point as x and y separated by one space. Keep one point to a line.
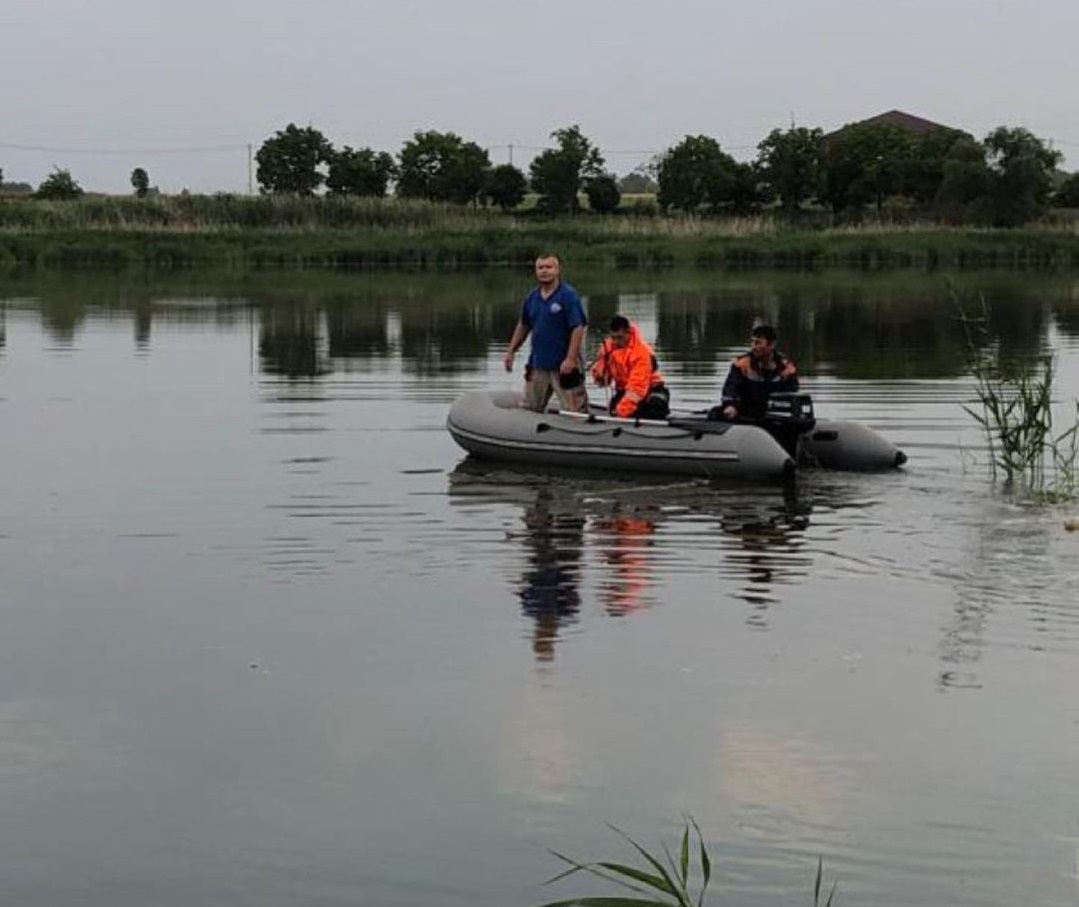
619 331
548 269
765 332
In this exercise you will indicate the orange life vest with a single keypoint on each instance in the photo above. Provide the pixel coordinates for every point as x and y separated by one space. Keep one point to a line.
631 368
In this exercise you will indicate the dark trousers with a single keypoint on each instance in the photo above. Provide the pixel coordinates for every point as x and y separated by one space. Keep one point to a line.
656 405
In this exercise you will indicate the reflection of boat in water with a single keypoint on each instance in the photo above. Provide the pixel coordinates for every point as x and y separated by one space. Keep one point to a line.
493 426
615 542
585 493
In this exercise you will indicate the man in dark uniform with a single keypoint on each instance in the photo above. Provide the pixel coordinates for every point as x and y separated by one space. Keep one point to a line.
755 376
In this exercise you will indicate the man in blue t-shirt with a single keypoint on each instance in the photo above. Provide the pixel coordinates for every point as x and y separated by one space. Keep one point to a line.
552 313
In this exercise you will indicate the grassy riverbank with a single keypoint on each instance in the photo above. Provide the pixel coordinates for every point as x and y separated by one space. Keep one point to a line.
264 232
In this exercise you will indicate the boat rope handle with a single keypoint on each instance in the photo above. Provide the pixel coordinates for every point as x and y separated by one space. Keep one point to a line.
617 430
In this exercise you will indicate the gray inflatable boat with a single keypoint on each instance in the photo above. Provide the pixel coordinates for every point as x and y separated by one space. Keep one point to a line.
494 426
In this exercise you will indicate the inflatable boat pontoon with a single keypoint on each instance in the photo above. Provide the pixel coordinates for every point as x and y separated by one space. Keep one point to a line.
494 426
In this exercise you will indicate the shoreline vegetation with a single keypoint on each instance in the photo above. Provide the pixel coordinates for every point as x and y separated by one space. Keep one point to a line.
290 232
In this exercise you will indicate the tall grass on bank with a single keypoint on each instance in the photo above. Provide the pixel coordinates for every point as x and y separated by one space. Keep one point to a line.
255 232
290 212
659 882
417 249
236 212
1015 413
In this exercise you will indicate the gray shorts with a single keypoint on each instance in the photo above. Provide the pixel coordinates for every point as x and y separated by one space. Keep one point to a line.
541 383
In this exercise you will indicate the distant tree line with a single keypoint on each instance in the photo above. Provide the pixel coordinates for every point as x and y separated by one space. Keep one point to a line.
1007 178
60 185
440 167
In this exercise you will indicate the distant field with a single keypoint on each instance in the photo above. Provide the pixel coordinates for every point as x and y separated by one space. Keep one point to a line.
629 201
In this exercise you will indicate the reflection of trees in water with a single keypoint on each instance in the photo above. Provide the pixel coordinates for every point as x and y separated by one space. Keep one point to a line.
860 335
692 329
431 339
600 307
62 318
289 340
550 587
854 330
445 339
1066 310
1016 327
143 316
357 329
897 325
865 333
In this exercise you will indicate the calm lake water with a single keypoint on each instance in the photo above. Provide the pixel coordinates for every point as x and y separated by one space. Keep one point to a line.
268 639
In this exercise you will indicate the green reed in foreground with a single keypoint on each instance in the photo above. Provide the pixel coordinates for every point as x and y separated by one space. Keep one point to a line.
659 882
1015 413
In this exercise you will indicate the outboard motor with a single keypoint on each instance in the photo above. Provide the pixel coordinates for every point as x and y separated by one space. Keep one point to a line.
795 410
788 417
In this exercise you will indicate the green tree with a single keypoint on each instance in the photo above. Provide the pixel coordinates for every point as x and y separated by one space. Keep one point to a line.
59 186
290 160
558 174
1067 194
140 182
359 172
964 188
443 167
928 153
695 173
864 163
749 191
1022 168
603 194
789 162
506 187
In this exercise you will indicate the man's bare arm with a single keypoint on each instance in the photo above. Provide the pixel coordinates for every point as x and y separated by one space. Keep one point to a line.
520 332
573 355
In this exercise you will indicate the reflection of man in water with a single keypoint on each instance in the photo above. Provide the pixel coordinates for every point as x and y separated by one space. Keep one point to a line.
770 551
549 588
627 549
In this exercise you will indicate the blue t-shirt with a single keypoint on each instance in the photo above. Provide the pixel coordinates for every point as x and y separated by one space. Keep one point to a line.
551 321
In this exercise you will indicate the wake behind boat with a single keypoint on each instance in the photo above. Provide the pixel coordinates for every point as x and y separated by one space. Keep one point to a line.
492 425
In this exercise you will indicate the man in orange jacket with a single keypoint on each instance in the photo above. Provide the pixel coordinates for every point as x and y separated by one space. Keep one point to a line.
626 361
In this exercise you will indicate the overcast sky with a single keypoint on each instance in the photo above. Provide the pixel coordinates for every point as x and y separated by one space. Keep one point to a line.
143 76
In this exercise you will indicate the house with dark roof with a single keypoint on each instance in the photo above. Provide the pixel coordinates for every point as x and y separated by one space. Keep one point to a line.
908 122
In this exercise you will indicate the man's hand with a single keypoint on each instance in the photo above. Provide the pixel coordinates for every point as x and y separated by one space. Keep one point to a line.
568 365
730 412
507 360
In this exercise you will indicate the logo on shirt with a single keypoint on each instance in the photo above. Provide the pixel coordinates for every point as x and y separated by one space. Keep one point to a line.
555 308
